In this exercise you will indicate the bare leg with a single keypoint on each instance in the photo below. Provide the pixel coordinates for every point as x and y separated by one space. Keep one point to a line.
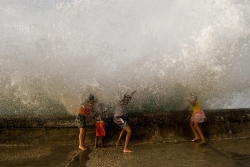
81 138
128 135
118 143
192 125
85 130
203 140
96 141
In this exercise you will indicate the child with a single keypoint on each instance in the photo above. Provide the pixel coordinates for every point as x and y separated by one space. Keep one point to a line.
119 120
198 116
83 112
100 125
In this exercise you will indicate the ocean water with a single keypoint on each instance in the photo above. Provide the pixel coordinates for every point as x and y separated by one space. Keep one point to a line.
53 54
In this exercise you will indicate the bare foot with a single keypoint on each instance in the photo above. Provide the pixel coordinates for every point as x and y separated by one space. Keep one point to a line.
195 139
203 141
118 144
82 148
127 151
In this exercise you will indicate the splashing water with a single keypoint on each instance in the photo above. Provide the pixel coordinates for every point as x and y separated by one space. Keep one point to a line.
54 53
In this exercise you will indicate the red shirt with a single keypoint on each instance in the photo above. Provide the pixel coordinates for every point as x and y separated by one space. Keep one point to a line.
84 111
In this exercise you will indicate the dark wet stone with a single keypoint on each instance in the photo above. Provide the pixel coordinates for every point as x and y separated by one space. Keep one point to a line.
215 153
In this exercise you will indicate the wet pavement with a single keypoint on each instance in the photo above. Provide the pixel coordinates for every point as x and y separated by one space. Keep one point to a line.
215 153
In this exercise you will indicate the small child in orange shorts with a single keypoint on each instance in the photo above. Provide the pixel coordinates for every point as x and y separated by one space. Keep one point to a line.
100 126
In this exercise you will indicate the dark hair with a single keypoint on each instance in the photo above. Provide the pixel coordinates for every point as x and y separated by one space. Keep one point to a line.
91 97
127 96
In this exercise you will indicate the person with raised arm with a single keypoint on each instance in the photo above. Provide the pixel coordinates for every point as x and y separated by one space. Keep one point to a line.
198 116
119 120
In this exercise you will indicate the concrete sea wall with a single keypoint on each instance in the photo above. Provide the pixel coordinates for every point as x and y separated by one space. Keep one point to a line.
147 127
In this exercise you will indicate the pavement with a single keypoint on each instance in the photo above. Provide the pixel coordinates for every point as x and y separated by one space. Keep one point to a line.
215 153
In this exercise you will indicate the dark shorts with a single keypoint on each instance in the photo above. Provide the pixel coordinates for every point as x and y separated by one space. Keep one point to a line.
120 122
81 121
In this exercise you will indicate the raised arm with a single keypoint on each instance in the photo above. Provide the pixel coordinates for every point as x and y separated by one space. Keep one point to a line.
193 101
132 93
126 99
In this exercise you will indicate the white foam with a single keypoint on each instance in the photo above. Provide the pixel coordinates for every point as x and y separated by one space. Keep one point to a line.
163 49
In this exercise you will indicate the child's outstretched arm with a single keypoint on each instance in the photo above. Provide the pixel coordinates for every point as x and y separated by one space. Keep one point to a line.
186 108
133 93
192 103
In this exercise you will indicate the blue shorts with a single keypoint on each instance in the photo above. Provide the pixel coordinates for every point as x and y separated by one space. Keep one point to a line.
81 121
120 122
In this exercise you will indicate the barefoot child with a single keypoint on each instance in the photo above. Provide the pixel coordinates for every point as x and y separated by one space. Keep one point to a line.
119 120
198 116
83 112
100 125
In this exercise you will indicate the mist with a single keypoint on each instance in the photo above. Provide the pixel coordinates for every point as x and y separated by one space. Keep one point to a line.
53 54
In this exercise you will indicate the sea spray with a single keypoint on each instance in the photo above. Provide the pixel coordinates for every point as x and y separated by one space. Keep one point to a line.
58 52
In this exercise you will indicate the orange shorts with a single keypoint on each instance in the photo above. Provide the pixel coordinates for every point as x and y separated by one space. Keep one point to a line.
100 128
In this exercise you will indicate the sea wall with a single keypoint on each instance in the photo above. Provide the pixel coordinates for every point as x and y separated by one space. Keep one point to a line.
170 126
